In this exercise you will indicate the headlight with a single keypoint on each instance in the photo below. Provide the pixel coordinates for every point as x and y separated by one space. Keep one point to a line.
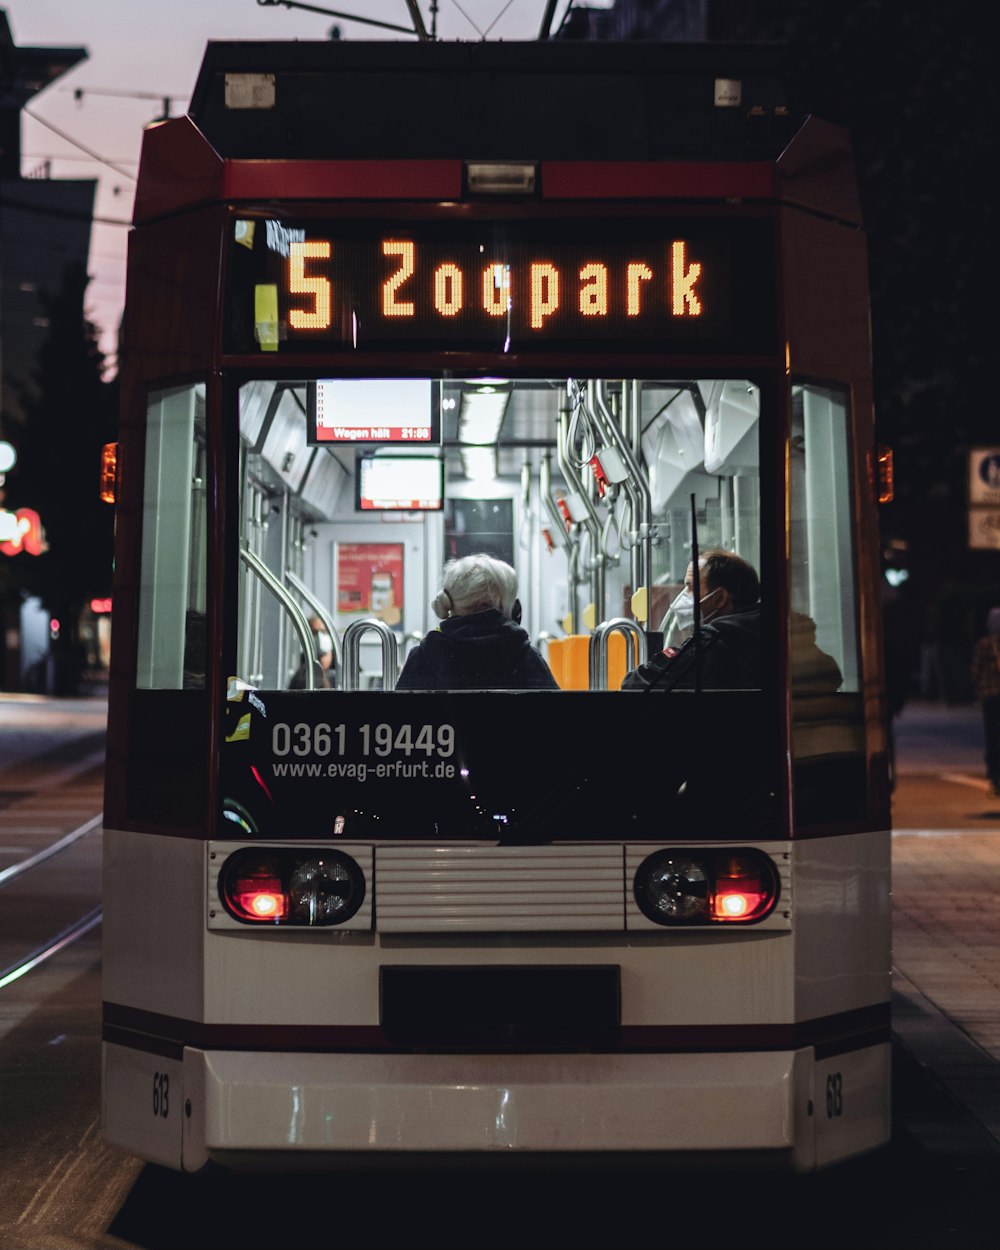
670 886
693 886
325 890
291 887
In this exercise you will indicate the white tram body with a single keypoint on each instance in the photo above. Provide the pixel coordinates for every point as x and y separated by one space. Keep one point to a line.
365 922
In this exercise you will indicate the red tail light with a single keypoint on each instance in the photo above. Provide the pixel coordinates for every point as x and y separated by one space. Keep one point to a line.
255 891
261 900
742 891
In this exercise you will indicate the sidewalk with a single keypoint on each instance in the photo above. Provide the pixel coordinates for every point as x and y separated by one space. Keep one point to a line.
946 905
35 724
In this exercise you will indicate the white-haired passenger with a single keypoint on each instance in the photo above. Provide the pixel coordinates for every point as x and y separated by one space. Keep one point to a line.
479 644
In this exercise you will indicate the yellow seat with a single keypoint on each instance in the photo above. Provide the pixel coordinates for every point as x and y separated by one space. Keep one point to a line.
569 660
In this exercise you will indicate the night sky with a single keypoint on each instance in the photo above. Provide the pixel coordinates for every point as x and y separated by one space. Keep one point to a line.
913 84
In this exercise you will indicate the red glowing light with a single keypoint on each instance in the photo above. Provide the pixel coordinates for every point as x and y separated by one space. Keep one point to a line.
739 900
262 904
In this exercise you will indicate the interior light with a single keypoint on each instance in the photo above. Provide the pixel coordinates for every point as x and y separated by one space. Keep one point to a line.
480 417
481 414
479 464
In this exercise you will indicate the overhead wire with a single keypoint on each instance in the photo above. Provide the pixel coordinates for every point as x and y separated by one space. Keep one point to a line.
82 146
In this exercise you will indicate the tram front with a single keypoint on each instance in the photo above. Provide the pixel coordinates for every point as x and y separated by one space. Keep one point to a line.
641 905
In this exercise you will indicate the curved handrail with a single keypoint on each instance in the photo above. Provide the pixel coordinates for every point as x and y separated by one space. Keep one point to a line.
413 639
635 641
264 574
542 640
305 593
352 653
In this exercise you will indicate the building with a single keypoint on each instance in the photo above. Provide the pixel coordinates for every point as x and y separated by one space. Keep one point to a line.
44 236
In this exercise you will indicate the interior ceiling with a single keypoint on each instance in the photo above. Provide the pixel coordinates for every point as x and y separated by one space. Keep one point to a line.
529 425
530 420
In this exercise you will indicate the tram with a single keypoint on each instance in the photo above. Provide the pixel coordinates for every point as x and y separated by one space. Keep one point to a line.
594 310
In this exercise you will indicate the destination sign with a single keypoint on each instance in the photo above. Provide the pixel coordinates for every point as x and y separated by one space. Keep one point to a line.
663 284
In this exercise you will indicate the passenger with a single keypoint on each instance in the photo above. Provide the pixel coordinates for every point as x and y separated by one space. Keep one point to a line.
813 671
986 684
479 644
728 645
195 649
325 677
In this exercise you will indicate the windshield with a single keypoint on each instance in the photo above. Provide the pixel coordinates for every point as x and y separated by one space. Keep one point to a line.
468 608
363 502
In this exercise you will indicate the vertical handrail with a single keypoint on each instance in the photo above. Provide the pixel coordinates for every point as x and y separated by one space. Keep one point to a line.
592 522
264 574
635 641
352 653
635 486
303 591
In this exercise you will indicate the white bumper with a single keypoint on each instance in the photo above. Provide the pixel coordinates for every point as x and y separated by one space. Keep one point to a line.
244 1107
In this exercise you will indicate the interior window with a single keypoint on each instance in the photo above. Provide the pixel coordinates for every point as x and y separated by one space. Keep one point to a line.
172 639
355 493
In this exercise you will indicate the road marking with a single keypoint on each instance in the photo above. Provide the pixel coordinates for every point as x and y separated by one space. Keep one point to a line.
963 779
15 870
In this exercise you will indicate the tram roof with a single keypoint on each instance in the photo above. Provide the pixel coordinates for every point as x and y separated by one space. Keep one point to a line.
548 100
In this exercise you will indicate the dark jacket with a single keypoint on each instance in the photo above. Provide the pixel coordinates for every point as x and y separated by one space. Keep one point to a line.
481 651
728 654
323 679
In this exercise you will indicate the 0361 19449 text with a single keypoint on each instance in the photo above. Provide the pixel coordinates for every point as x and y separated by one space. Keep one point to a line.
303 739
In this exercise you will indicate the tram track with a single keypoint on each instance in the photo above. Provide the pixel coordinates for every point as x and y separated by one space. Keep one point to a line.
42 953
51 792
33 888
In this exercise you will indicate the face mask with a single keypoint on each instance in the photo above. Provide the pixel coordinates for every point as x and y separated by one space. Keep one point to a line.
324 643
683 608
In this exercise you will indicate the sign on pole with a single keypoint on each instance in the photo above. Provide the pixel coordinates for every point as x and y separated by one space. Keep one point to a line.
984 498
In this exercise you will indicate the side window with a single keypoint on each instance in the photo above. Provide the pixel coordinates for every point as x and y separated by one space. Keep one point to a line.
172 640
827 719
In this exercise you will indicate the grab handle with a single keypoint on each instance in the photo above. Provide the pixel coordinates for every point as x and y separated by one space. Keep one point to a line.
635 644
352 653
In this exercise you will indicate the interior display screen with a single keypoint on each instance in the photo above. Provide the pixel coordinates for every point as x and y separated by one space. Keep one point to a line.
399 484
653 284
373 410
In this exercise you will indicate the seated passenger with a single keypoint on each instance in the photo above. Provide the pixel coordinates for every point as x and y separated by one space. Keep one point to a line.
325 676
728 645
479 644
813 672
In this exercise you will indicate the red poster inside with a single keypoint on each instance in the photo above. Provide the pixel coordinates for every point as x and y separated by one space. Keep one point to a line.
370 580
